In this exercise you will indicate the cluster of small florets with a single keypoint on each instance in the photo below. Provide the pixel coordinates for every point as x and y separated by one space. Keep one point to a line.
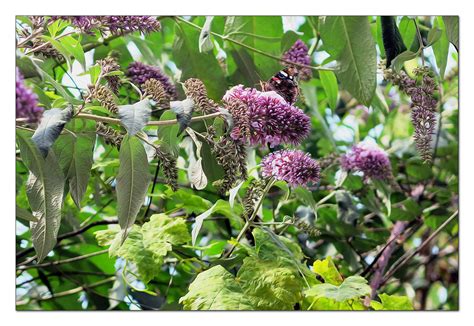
139 73
295 167
369 159
423 114
298 53
116 25
108 65
272 120
26 101
194 88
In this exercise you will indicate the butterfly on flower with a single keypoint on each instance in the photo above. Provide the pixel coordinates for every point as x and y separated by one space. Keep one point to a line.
284 83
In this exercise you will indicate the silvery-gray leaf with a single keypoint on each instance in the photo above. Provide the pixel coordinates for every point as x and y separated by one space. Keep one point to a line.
233 193
197 177
50 127
205 42
184 111
135 116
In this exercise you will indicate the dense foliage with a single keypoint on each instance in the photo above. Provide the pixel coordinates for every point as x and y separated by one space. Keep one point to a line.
237 163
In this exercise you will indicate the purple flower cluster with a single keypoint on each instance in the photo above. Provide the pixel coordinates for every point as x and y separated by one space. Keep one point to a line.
423 114
272 120
295 167
139 73
299 53
369 159
116 25
26 101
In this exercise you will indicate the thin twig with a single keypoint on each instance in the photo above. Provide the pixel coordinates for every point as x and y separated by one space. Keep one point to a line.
68 292
64 261
410 254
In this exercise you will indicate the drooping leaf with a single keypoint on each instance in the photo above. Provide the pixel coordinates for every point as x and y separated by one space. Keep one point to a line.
452 29
349 40
205 41
44 189
135 116
132 181
50 127
197 178
353 287
75 156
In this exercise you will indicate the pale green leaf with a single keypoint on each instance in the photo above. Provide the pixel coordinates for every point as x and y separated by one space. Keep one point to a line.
328 271
392 302
135 116
353 287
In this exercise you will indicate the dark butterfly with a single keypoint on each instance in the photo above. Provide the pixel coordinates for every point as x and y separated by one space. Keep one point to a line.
285 84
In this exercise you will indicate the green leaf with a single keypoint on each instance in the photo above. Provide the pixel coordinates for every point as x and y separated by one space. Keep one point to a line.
219 206
146 246
194 64
74 47
135 116
353 287
350 41
259 32
441 47
169 134
452 29
400 59
407 29
132 181
44 190
328 271
306 197
329 82
392 302
75 156
434 35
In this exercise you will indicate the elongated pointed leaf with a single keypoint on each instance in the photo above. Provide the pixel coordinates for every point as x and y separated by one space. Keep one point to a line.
51 125
132 181
441 46
350 41
134 117
75 156
44 190
25 215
